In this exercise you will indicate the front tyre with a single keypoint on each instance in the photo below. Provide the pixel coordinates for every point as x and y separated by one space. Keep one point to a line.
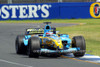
34 47
79 42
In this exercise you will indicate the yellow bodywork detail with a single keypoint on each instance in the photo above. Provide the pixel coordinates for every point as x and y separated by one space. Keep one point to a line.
55 43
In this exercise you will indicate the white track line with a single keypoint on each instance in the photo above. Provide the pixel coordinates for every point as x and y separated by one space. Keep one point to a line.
14 63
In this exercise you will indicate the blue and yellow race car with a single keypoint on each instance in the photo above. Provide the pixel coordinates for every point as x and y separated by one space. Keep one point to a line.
38 41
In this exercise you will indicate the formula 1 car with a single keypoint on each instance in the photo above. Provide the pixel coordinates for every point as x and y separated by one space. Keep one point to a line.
37 41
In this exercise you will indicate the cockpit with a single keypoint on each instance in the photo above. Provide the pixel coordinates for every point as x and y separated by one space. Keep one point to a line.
50 34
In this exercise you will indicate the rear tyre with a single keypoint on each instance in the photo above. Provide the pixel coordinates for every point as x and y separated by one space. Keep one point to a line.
34 47
79 41
19 45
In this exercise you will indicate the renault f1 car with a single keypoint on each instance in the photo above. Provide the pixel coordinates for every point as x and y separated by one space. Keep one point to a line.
37 41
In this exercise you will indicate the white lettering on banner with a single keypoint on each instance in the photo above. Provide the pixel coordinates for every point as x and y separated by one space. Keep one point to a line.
5 14
46 12
24 11
14 7
32 11
0 12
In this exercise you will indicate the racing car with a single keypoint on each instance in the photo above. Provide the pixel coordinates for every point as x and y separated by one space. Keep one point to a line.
38 41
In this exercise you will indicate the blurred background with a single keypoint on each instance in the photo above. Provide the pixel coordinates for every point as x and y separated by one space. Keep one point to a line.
40 1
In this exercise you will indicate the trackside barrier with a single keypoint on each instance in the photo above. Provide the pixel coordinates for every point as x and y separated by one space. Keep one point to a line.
68 10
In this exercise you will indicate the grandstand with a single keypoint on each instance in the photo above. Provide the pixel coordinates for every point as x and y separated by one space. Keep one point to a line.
40 1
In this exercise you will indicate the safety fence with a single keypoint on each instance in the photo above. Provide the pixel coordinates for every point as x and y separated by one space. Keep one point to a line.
40 1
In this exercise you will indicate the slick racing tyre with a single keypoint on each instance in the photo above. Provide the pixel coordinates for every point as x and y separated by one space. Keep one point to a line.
19 45
79 42
34 47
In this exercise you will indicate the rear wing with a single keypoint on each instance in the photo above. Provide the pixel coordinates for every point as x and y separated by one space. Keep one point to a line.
31 31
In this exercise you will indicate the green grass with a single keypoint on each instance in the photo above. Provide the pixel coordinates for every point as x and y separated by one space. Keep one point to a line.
90 29
53 20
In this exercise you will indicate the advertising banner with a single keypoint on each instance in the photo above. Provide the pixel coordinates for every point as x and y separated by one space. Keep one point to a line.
28 11
68 10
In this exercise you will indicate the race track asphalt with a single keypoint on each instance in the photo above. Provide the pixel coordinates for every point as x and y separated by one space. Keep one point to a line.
9 58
